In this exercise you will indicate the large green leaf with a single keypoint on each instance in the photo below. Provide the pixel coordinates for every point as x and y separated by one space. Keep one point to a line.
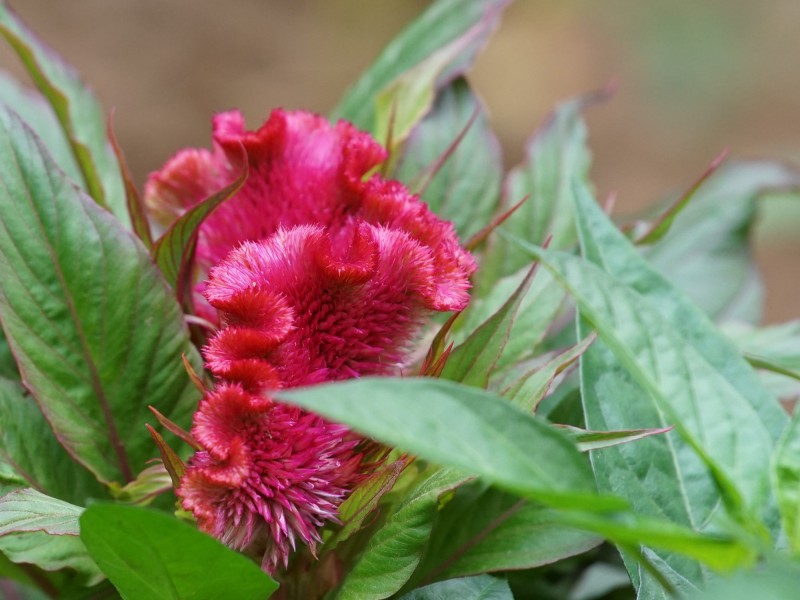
660 362
78 111
444 22
483 529
393 552
605 246
706 252
479 433
152 556
28 445
465 187
40 530
557 160
96 330
463 427
484 587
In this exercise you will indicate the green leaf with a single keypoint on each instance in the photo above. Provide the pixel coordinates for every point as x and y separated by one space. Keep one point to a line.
38 114
722 552
28 445
537 309
173 251
776 349
393 552
364 500
26 510
151 556
465 187
444 22
706 252
532 386
96 330
660 362
658 228
604 245
483 529
8 364
463 427
774 581
78 111
556 160
473 361
40 530
51 553
597 440
785 471
484 587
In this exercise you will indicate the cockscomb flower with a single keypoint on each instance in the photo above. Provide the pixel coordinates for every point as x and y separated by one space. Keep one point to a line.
303 171
316 271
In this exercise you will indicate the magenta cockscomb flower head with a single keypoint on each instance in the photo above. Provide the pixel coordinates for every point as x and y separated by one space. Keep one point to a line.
270 476
317 271
303 171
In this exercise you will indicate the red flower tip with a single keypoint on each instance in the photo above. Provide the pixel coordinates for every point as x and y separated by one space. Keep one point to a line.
272 474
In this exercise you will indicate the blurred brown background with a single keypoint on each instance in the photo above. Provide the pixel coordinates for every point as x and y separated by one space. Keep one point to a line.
694 77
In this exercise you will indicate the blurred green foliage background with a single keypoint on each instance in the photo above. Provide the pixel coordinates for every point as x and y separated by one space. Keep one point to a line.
694 78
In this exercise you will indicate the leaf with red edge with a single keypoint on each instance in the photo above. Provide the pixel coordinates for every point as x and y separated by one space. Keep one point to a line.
659 227
480 236
556 159
173 251
95 329
528 390
136 210
363 501
473 361
444 22
172 462
453 160
78 110
438 345
175 429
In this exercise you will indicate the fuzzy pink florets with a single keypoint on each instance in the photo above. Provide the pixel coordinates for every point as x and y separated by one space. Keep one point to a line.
316 272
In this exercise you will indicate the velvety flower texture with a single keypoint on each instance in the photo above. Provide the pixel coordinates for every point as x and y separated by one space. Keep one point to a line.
316 271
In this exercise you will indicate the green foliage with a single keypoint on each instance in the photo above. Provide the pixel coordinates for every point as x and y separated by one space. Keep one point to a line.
152 556
32 451
452 159
75 288
78 111
43 531
483 530
463 427
706 252
393 552
445 22
483 587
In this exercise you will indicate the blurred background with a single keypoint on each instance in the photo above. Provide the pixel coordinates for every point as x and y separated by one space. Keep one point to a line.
694 78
